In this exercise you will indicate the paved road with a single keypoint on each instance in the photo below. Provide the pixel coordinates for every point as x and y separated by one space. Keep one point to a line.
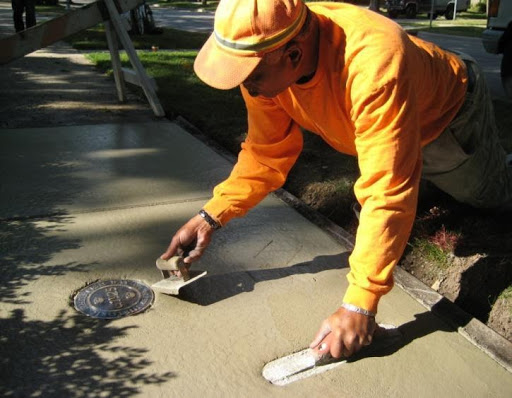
184 19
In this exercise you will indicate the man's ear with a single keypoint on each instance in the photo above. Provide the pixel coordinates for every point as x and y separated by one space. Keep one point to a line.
294 54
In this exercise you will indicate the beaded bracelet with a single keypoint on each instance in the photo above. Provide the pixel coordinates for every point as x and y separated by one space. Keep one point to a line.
211 222
353 308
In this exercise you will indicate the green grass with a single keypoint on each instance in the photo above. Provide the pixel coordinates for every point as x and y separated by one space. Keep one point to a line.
431 252
95 39
469 31
191 5
45 9
506 294
344 185
469 24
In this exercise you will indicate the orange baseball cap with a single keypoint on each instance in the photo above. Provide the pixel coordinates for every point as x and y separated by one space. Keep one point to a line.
244 31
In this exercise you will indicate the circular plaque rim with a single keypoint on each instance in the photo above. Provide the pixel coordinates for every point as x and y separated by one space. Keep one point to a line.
82 299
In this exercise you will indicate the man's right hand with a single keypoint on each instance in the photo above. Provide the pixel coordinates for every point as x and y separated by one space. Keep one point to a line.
194 236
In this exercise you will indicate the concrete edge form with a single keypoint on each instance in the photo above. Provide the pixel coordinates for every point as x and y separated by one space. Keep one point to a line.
475 331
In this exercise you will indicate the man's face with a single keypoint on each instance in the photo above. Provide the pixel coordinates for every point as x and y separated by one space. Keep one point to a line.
272 76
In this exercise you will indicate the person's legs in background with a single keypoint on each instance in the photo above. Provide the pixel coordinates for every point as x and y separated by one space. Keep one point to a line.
17 14
30 13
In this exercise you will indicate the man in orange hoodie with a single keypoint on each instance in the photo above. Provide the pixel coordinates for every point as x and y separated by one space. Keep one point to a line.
403 106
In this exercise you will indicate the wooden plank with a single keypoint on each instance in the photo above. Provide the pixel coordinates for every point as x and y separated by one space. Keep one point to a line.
113 47
131 77
134 59
49 32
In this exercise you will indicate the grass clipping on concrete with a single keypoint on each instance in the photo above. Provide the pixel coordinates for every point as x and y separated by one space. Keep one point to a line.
461 252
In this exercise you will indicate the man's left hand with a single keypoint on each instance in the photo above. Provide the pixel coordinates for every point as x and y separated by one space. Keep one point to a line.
344 333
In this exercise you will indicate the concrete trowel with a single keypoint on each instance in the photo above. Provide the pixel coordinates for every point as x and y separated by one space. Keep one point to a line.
307 363
176 275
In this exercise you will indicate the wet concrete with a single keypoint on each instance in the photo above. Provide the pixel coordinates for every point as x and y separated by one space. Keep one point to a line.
103 202
85 168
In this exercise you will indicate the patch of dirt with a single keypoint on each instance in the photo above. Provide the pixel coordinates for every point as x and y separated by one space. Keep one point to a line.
500 318
477 254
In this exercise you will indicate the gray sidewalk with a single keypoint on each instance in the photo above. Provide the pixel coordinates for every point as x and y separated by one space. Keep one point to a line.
88 201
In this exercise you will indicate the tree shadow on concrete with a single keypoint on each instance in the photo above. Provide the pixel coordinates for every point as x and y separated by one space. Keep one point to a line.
215 288
70 356
26 246
56 91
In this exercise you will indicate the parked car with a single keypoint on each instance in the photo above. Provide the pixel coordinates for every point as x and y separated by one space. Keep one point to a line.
497 38
410 8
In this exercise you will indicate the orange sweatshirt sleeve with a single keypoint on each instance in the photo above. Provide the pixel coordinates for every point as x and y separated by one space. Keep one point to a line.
273 144
389 155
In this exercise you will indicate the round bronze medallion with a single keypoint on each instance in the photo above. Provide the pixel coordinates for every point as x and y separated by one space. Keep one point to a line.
112 299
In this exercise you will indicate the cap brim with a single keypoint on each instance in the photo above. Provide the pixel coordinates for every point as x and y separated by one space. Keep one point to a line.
220 69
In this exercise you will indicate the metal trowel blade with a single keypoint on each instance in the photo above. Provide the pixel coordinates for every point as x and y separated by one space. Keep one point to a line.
174 283
305 363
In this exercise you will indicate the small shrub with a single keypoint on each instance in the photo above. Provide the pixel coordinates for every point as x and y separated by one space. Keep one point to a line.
444 239
433 253
506 294
480 8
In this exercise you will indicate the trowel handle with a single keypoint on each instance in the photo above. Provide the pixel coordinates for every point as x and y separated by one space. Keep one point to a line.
384 335
173 264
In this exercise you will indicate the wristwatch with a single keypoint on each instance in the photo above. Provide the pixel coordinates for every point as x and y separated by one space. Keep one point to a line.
211 222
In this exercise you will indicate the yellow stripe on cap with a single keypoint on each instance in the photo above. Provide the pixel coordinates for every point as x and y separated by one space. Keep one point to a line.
266 45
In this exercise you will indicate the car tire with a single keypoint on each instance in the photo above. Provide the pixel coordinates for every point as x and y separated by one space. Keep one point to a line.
149 21
506 69
449 14
410 11
137 20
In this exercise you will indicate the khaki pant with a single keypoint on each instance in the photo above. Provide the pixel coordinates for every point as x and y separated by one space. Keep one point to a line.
467 160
